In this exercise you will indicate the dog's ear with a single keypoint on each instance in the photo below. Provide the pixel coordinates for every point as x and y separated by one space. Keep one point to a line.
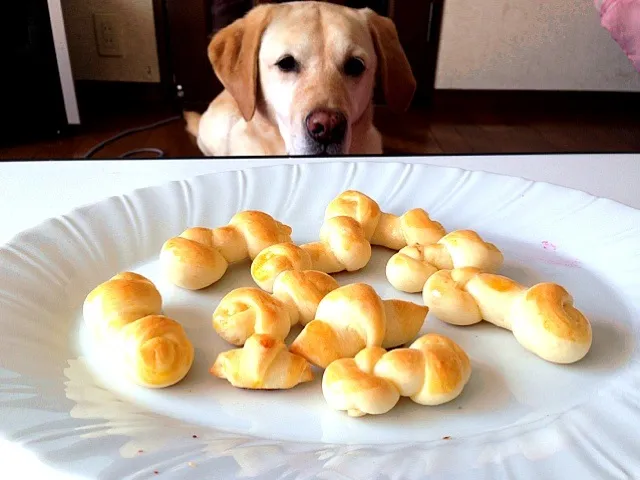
394 70
233 53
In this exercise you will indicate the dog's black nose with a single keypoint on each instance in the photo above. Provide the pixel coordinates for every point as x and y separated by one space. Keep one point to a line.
326 126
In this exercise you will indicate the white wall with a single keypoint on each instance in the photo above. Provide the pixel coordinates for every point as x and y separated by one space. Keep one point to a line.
530 45
140 60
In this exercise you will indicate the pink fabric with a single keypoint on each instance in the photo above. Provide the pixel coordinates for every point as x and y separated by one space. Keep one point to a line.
622 19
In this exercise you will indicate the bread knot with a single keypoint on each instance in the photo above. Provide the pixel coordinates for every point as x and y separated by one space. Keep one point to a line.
542 318
150 348
409 269
199 256
263 363
157 349
342 246
352 317
433 370
302 292
385 229
248 310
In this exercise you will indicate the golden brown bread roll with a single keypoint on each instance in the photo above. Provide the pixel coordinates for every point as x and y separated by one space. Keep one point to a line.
385 229
200 256
353 222
342 246
353 317
152 349
248 310
542 318
433 370
274 260
409 269
302 292
262 363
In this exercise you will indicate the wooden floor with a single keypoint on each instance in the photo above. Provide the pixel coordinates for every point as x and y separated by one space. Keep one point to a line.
444 129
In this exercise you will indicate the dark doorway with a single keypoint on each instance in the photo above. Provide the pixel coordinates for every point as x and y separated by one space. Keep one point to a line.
191 23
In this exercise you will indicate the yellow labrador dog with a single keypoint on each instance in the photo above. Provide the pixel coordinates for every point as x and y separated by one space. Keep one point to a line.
299 79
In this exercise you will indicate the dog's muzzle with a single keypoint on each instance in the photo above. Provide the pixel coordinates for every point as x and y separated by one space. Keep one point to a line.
326 131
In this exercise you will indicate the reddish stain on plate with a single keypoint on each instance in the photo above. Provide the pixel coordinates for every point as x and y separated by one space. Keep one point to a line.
549 246
562 262
554 260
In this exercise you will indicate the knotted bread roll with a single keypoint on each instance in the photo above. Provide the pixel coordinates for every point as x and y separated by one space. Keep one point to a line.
150 348
200 256
409 269
263 363
342 246
248 310
385 229
542 318
432 371
302 292
353 317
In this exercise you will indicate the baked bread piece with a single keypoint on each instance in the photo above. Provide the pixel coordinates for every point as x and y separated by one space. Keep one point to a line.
262 364
353 317
542 318
353 222
302 292
248 310
432 371
386 229
342 246
409 269
150 348
200 256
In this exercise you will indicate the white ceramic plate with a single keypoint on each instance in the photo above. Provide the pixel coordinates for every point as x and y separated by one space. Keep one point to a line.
518 417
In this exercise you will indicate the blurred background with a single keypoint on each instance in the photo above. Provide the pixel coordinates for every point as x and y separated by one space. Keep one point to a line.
498 76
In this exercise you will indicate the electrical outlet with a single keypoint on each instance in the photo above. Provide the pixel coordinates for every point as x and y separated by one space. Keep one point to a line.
108 34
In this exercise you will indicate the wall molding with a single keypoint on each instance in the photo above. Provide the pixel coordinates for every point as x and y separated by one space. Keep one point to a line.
532 101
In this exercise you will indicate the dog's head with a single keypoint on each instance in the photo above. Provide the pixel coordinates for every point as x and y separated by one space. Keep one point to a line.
311 67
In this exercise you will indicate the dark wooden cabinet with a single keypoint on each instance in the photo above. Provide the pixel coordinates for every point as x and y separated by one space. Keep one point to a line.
191 23
31 94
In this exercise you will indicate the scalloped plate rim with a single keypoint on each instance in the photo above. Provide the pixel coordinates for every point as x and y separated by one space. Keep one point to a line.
83 208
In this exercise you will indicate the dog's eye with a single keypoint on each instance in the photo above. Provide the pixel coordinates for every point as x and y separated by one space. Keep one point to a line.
287 64
354 67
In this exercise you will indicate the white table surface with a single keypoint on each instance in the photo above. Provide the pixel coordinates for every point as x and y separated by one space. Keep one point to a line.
34 191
